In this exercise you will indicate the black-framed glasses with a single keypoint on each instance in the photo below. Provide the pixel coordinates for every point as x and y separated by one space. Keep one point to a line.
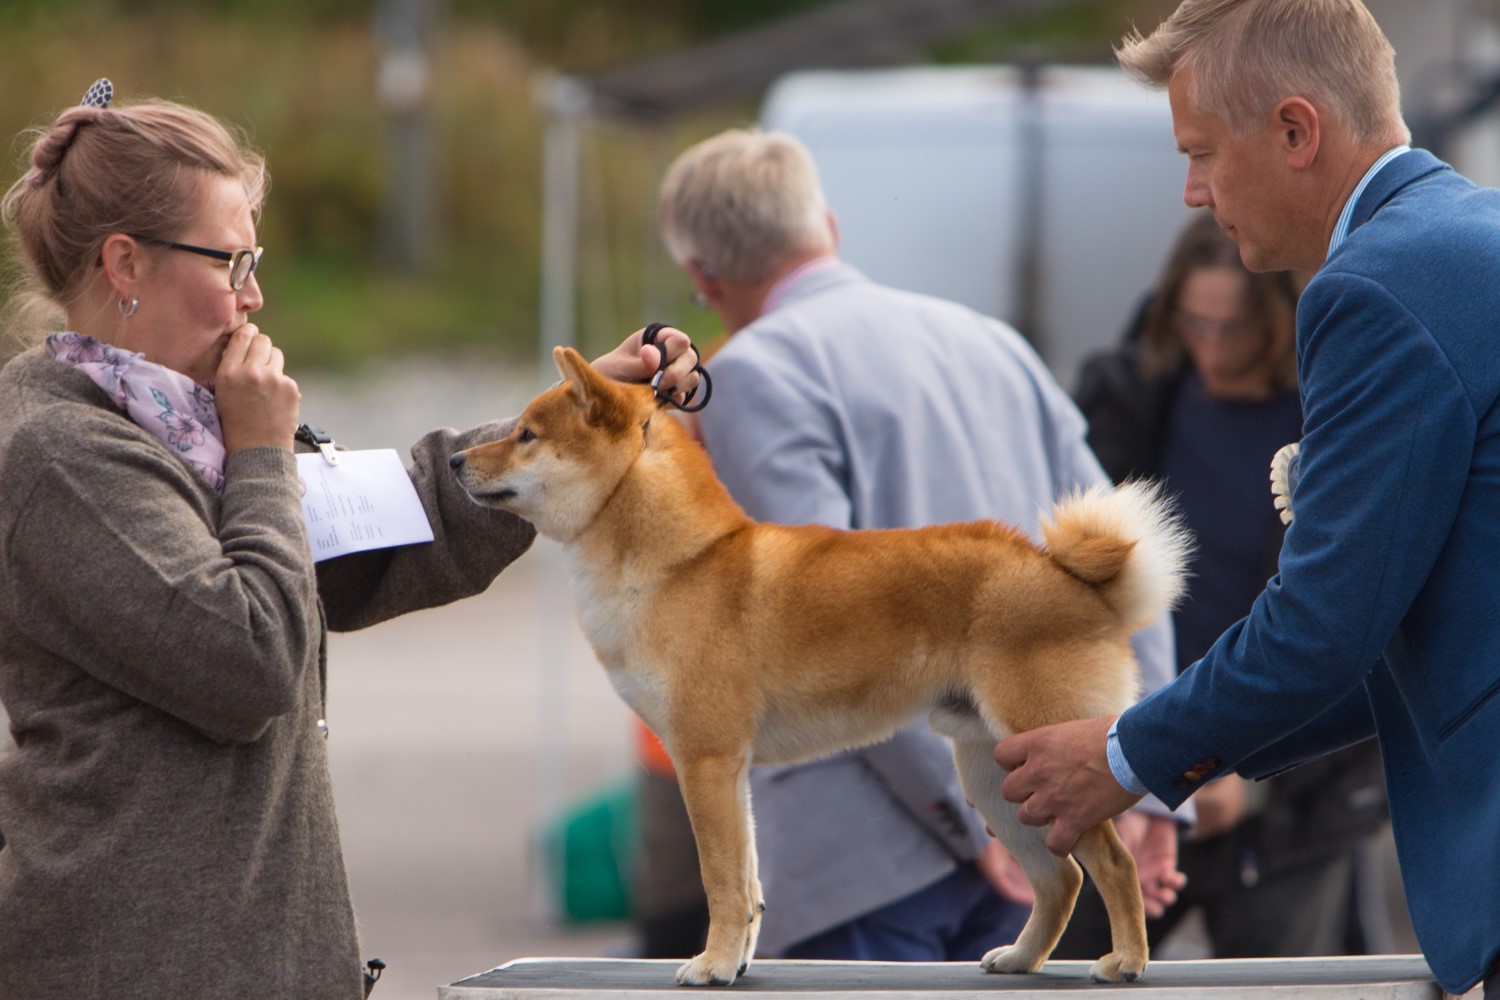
242 263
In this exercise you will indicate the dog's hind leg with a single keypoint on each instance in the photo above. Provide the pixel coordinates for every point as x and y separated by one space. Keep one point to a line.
1113 870
1054 881
715 789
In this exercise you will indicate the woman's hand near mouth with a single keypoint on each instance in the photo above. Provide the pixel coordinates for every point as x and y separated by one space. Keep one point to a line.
258 402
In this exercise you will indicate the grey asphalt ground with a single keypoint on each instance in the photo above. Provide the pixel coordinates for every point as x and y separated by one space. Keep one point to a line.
454 735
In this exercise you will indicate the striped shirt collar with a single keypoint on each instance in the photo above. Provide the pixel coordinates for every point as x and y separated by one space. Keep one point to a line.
1341 228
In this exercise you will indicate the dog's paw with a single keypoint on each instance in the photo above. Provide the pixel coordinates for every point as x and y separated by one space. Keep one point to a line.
1011 959
1118 968
703 971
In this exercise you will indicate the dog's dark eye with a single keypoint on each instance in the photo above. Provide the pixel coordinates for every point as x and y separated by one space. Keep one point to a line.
527 434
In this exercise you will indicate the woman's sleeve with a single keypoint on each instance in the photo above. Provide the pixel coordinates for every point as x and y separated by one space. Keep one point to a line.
471 544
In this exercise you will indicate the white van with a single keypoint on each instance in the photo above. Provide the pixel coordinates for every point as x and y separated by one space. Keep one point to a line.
1047 198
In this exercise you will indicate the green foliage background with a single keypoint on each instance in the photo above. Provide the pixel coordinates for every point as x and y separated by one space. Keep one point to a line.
299 76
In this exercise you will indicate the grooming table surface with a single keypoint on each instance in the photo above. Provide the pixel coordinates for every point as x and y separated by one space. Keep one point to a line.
1384 977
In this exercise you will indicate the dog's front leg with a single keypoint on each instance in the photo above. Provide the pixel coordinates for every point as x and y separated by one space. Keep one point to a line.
714 789
752 882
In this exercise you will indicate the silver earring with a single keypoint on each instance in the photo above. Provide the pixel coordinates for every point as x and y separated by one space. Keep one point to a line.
128 308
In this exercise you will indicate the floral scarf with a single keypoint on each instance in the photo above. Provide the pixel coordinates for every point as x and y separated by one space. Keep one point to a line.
168 404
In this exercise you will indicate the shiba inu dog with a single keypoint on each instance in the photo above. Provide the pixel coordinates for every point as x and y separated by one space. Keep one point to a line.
740 642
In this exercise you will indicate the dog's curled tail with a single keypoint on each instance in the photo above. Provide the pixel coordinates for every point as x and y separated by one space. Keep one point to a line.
1128 541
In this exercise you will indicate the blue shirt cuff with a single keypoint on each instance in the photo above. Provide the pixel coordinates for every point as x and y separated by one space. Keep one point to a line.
1119 766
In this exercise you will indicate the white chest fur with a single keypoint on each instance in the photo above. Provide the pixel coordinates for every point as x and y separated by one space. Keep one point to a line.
613 613
609 607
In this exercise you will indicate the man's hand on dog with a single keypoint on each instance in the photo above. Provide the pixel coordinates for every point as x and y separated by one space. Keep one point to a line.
633 361
1060 775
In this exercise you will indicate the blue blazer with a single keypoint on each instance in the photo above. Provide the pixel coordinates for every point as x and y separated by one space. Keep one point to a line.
1385 616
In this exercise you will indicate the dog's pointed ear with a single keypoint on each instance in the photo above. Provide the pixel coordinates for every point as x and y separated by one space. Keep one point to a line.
579 375
595 394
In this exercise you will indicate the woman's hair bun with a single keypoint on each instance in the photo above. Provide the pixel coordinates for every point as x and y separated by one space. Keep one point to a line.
47 155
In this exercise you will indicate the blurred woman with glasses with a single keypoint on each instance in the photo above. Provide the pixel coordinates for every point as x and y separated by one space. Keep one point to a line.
1202 394
166 803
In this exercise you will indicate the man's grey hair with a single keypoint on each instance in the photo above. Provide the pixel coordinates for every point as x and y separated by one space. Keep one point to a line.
741 203
1246 56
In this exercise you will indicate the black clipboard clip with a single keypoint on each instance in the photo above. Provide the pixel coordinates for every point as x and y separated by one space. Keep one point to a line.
318 438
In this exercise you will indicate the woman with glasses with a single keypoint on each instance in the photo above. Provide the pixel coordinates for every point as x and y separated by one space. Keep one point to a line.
168 821
1202 394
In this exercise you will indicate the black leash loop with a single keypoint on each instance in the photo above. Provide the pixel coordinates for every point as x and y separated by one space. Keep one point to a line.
648 336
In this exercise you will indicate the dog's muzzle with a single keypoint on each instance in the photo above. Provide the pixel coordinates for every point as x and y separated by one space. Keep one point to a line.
479 491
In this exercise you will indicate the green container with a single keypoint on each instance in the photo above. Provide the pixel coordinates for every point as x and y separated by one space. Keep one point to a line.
590 853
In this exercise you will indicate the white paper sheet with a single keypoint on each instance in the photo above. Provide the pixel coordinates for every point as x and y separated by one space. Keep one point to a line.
366 501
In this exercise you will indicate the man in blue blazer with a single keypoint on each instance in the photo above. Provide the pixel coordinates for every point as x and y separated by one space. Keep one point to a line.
1385 617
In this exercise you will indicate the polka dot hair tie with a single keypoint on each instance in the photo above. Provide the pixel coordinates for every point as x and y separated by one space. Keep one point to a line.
100 94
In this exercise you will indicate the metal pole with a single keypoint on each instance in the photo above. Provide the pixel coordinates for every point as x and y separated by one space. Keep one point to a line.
1029 230
565 102
403 86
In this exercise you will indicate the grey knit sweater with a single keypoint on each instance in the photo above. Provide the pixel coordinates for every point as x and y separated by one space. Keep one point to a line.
166 805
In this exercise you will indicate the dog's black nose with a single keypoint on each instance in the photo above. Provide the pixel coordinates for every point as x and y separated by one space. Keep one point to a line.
457 461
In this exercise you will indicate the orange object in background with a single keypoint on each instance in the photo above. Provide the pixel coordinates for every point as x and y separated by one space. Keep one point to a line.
649 751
